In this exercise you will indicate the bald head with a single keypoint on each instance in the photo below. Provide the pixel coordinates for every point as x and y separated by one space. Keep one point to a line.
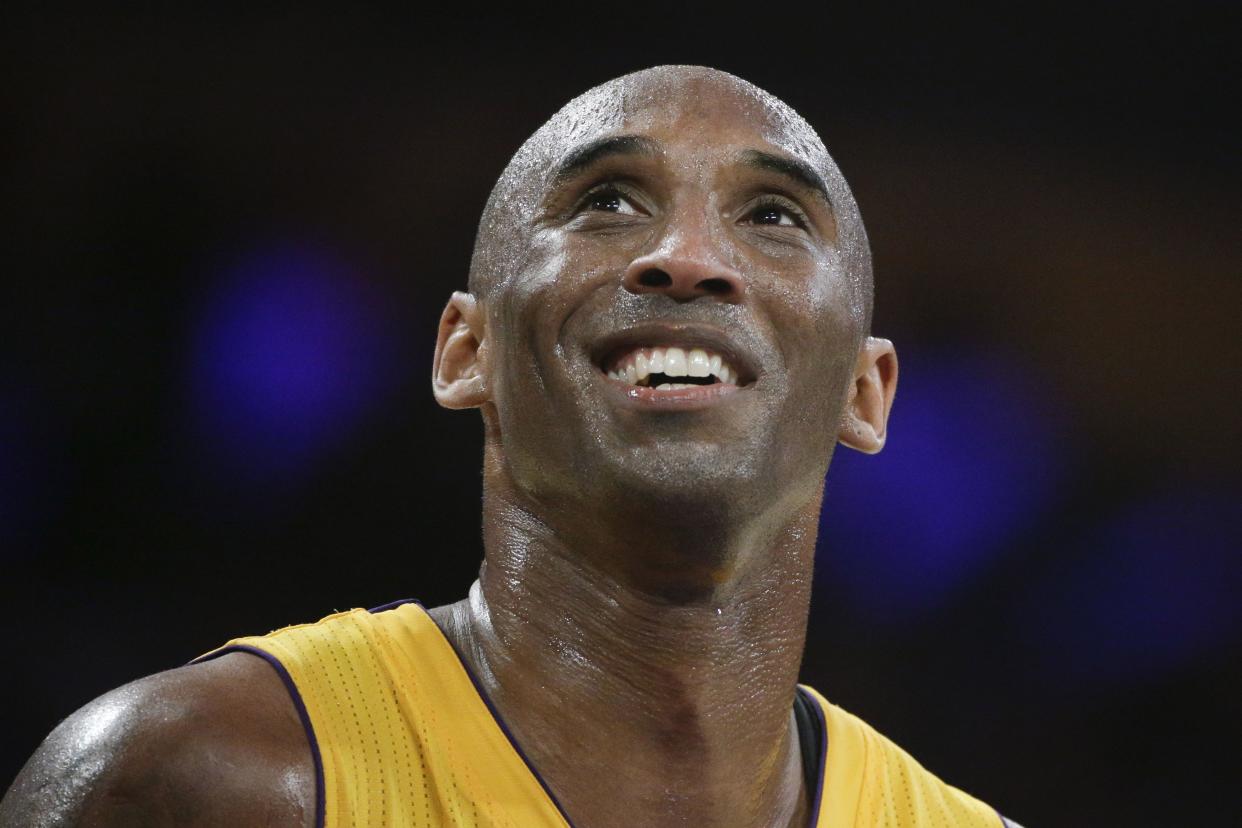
641 98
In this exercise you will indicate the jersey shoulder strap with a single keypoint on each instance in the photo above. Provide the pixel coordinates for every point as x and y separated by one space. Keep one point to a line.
810 737
400 732
870 780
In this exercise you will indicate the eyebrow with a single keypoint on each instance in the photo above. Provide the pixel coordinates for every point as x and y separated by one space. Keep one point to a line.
594 151
794 168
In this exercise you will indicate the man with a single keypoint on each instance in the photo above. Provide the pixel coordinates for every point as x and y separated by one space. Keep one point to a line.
666 333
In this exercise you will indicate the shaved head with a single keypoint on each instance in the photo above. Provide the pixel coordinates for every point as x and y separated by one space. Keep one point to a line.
605 110
668 326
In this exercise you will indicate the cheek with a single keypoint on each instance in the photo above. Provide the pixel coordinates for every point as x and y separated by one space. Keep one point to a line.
818 327
813 305
824 292
561 275
536 277
554 275
531 303
532 366
537 379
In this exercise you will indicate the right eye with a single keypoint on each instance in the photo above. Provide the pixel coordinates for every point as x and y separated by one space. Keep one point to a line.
609 199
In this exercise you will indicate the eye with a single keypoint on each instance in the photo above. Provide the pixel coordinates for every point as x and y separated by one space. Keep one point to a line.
609 199
775 212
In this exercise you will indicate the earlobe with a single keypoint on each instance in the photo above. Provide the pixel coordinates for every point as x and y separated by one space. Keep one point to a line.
459 371
864 422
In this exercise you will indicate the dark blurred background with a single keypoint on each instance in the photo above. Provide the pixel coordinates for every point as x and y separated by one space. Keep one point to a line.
230 236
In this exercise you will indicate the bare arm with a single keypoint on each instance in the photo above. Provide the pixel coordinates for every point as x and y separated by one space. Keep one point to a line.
217 743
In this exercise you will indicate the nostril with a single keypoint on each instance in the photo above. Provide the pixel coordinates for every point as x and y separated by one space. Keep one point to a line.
655 278
717 286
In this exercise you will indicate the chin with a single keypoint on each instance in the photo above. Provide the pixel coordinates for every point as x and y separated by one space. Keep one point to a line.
676 479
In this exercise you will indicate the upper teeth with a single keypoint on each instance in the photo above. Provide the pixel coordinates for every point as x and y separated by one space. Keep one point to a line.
639 364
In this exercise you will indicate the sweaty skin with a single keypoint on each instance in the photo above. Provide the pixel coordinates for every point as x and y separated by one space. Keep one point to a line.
647 572
640 614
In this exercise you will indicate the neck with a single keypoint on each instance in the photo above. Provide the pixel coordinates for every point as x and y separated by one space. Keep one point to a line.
683 704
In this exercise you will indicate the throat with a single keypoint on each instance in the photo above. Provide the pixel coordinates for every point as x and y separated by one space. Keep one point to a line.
584 665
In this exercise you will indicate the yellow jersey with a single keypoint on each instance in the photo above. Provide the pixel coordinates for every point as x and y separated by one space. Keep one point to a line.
402 735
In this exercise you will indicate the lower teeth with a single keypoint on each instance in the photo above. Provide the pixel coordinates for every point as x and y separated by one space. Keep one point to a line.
674 386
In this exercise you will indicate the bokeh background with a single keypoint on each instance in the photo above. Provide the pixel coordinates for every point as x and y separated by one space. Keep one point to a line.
229 236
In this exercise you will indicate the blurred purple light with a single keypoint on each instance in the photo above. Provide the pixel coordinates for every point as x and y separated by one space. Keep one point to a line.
972 458
292 351
1155 587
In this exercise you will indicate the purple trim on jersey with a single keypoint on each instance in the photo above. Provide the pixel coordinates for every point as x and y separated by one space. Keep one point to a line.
1006 822
504 728
817 802
395 604
302 714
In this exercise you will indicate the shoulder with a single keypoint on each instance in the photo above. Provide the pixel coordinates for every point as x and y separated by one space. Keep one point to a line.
218 742
890 786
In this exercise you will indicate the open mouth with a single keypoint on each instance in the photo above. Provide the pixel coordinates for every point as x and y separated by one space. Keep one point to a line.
671 368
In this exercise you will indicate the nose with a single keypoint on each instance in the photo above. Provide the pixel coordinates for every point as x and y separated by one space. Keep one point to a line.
686 266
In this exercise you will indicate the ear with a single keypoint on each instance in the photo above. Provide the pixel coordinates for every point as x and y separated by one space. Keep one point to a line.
864 422
458 371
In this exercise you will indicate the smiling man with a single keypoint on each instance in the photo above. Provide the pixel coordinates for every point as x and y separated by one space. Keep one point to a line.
667 334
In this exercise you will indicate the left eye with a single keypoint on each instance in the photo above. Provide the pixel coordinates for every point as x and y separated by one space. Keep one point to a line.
774 214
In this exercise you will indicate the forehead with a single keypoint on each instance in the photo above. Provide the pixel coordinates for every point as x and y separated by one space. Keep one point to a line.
679 106
690 102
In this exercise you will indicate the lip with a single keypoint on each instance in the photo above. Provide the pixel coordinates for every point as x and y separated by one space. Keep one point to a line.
678 399
672 334
680 335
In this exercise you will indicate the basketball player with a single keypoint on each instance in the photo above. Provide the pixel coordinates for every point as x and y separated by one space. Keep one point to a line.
666 333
